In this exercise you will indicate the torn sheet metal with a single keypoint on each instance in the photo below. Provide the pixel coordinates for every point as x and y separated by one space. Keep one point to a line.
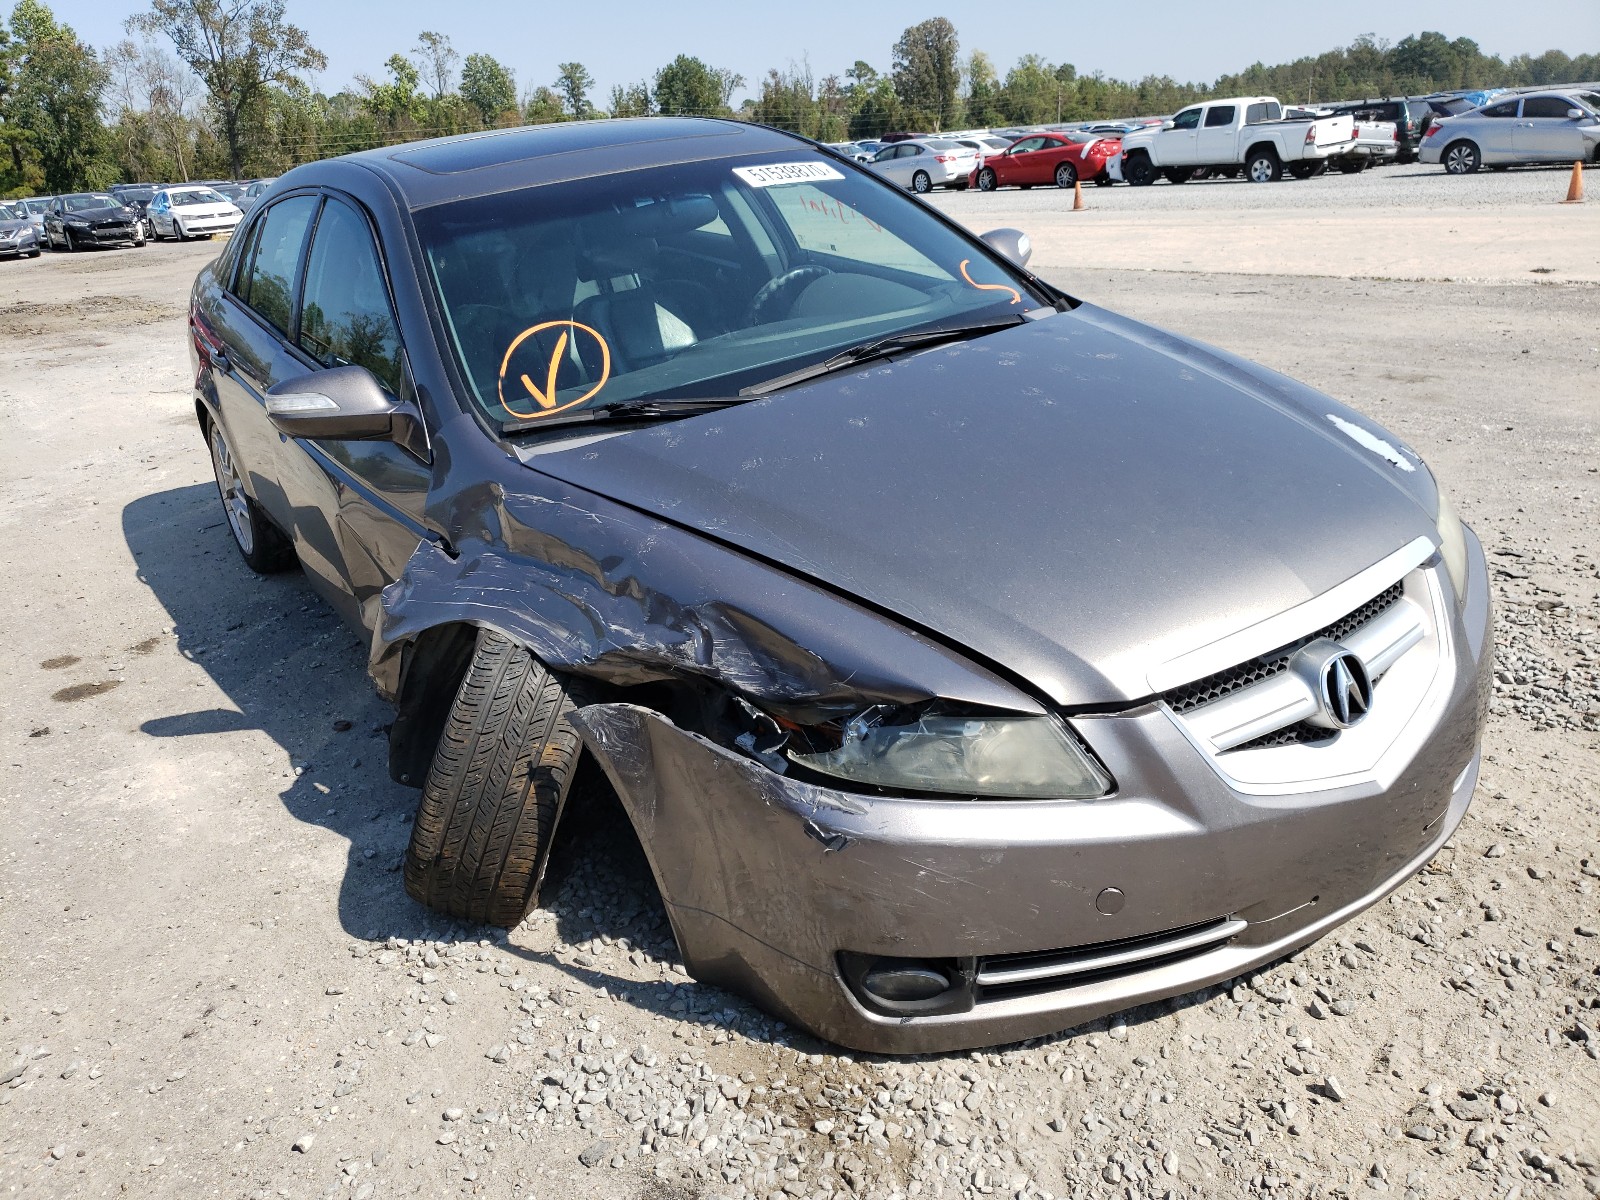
601 590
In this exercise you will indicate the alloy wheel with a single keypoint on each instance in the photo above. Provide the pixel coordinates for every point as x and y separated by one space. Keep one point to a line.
1461 159
231 489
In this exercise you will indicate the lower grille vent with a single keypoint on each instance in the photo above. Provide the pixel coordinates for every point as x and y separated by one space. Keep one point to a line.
1009 975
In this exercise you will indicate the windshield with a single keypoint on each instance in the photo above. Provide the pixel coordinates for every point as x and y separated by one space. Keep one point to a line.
695 279
12 212
197 196
85 202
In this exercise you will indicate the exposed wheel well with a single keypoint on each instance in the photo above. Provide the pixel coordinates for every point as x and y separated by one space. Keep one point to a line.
1259 146
432 672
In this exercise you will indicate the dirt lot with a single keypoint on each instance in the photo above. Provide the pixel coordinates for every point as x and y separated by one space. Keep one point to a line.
211 982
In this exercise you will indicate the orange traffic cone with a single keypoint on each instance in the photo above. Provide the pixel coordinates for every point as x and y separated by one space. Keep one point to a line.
1575 188
1077 195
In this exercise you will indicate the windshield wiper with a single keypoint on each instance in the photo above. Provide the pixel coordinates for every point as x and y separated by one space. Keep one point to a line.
643 408
878 348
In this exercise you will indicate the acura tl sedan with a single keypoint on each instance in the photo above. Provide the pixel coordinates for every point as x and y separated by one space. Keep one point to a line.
971 661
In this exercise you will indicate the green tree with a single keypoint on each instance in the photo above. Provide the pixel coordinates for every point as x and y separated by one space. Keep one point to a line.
688 87
543 107
573 82
436 62
489 86
240 49
983 90
927 73
55 98
632 100
397 102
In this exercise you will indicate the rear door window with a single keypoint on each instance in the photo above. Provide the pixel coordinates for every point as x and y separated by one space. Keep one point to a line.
268 283
1508 109
345 316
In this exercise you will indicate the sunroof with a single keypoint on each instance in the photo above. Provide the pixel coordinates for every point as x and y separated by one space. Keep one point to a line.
515 145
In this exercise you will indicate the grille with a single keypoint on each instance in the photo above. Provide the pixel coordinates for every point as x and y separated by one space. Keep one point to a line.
1215 687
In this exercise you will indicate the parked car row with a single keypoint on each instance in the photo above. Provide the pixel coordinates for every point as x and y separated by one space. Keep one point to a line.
1256 137
125 215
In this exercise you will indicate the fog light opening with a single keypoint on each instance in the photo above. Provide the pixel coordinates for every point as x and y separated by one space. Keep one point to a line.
905 983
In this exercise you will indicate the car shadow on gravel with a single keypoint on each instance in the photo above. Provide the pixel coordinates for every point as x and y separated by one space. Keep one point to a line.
293 670
290 668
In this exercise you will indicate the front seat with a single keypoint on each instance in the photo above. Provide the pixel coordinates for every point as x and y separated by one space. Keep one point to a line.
628 310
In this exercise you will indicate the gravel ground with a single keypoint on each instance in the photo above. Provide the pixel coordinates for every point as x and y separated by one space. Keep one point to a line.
211 981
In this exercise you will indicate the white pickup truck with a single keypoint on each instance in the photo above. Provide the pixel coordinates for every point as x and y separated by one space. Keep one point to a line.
1248 132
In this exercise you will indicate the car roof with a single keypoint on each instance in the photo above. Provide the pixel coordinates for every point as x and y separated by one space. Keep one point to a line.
442 170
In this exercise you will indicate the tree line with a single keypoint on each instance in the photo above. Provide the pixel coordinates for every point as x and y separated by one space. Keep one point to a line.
223 88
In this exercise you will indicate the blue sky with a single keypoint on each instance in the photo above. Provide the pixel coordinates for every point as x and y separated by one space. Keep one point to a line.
623 41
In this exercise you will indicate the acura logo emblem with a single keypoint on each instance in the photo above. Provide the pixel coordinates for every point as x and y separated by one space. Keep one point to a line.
1346 692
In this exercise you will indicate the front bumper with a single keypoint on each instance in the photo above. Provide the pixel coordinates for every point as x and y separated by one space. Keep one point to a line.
201 225
769 880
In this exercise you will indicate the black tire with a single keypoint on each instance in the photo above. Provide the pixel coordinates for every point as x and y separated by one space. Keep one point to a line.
1066 175
1178 174
921 183
34 253
1461 158
1103 179
1499 166
70 247
1138 170
1263 166
1308 170
988 181
495 791
1354 166
178 233
261 544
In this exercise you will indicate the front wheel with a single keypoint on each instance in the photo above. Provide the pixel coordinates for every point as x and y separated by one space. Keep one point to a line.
988 180
71 246
1066 175
1462 158
177 231
1139 171
1263 167
495 791
921 183
265 550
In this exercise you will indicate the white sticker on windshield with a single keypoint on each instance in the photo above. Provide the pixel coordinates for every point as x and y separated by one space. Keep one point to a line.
774 174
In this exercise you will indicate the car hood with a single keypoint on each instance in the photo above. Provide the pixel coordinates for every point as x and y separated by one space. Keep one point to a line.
1077 500
11 223
114 212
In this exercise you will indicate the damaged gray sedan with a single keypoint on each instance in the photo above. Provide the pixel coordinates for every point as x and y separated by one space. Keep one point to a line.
971 661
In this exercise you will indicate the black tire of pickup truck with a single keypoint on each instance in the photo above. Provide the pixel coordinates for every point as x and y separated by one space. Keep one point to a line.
1263 166
1354 165
495 791
1138 170
1308 170
1178 174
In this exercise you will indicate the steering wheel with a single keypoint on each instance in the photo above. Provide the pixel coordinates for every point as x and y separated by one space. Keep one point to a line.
776 295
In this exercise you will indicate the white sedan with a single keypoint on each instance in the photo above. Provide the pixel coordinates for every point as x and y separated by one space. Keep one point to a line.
186 212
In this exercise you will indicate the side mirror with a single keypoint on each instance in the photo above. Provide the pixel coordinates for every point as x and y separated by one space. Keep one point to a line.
1012 244
345 404
1575 114
1169 125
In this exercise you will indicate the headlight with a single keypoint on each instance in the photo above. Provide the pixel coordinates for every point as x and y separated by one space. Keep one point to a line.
1452 543
1020 758
77 223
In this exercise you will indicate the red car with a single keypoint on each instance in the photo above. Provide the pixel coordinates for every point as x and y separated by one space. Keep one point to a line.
1039 158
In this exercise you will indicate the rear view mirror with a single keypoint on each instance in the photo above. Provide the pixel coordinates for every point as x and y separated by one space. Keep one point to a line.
345 404
1012 244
